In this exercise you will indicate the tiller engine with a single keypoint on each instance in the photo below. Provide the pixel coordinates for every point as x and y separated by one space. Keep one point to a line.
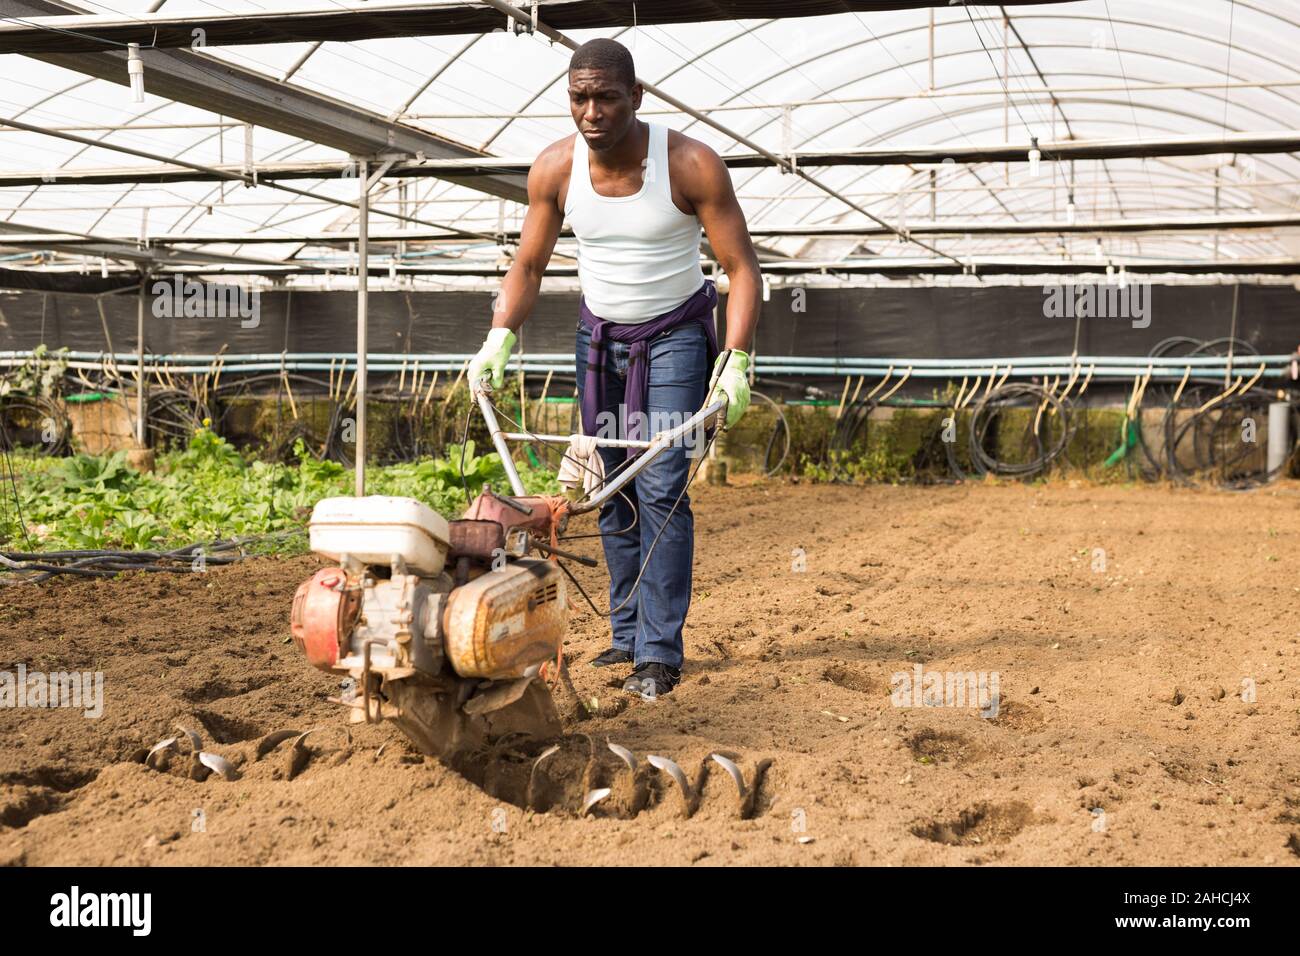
449 628
442 627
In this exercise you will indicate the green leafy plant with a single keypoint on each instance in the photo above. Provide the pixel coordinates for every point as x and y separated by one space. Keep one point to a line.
40 375
95 475
208 491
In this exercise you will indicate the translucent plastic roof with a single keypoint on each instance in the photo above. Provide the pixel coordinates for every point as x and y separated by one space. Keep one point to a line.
1089 70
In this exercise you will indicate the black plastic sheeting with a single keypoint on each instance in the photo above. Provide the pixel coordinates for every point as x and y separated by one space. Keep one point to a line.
64 281
986 322
450 19
1010 321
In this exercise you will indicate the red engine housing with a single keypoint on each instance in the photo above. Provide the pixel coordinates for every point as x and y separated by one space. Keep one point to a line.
324 612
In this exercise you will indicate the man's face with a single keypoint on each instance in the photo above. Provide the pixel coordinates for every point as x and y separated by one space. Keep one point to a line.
603 108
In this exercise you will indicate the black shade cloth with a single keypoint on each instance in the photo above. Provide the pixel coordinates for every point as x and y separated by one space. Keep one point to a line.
983 322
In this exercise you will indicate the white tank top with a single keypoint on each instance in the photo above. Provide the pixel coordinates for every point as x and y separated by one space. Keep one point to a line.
638 255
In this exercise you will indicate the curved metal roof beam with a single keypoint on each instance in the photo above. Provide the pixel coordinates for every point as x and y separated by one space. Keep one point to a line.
1091 101
853 47
966 111
916 124
966 207
983 108
946 116
34 106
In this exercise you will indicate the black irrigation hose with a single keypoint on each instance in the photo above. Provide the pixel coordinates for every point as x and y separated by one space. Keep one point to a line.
852 426
173 416
41 566
1215 429
780 433
12 485
225 394
25 421
335 446
1030 397
1162 395
950 449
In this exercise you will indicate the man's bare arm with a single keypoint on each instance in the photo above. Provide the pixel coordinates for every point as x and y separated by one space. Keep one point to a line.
536 243
708 188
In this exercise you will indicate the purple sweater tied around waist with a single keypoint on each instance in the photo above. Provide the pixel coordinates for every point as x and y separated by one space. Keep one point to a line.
698 308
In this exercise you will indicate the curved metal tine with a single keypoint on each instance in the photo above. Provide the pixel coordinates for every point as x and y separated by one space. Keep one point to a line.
531 791
196 742
161 745
622 753
219 764
736 776
548 752
593 797
679 777
273 740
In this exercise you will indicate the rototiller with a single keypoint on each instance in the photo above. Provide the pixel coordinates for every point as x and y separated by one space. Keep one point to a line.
452 629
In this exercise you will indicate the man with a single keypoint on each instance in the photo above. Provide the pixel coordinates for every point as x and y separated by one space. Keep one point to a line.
637 195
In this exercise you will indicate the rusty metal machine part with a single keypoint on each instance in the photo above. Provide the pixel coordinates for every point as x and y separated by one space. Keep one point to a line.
499 624
476 538
401 625
442 724
451 659
324 612
546 512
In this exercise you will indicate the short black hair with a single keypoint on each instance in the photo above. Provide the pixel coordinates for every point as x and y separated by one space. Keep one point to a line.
607 55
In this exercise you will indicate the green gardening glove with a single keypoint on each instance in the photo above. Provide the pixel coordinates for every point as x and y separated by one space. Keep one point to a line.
492 357
733 384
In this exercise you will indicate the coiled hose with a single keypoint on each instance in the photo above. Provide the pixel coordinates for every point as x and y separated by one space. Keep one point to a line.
1040 454
33 421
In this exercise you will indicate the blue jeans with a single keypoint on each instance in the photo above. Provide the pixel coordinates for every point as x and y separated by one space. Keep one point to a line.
649 625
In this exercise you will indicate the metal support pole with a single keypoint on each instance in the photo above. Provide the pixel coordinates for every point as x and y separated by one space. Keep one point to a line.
1006 90
931 86
1216 209
139 356
363 276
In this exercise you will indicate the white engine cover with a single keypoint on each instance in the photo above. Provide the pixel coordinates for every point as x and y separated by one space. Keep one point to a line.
376 528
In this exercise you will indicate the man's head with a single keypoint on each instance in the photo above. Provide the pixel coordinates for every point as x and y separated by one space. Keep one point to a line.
603 92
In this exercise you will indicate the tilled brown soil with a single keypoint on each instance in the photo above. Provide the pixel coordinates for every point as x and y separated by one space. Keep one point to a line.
1146 710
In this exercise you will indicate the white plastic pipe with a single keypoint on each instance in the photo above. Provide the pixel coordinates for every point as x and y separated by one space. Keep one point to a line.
1279 434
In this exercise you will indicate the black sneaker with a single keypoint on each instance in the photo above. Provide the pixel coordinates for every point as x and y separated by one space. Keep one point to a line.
611 657
652 679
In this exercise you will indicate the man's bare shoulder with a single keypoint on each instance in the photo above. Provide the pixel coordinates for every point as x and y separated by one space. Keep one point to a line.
552 165
692 163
